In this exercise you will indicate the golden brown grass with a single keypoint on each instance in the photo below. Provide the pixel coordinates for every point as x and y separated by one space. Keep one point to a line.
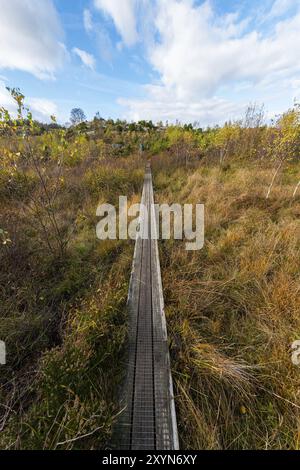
233 308
63 317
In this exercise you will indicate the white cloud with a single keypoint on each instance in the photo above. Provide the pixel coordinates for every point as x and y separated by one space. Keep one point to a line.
41 108
31 37
99 35
161 106
87 59
280 7
201 57
209 53
87 20
6 100
123 14
105 46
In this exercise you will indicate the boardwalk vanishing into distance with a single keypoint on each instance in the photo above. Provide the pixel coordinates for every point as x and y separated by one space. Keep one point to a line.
149 420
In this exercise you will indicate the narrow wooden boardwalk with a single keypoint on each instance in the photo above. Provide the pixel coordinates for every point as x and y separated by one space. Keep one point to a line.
148 420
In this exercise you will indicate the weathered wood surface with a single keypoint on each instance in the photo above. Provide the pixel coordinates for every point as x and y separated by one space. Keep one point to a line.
148 420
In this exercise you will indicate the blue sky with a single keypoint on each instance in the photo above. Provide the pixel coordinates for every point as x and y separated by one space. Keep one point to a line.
151 59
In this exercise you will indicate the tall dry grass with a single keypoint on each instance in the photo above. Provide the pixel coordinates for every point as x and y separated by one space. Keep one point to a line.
233 308
62 314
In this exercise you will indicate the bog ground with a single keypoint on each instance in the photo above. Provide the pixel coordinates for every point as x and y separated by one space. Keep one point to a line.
232 308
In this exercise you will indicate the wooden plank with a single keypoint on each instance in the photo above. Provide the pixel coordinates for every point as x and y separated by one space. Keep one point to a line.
166 423
149 420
